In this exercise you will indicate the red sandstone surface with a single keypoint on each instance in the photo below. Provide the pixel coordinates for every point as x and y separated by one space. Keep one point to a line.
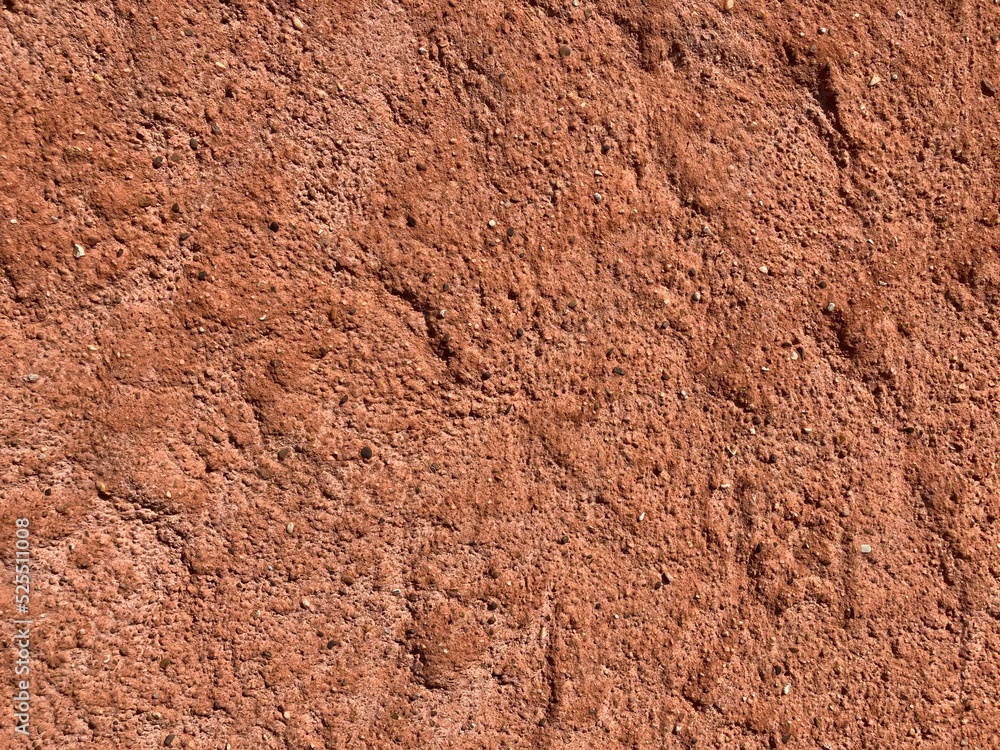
668 329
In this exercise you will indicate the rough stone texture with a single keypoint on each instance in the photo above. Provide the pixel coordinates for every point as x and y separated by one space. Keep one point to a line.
634 524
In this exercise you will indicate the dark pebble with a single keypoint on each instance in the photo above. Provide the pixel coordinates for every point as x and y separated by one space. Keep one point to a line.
564 540
510 231
486 375
274 226
618 371
283 453
343 399
572 304
168 740
157 162
202 275
564 51
366 453
411 221
332 644
193 143
434 468
519 333
48 493
184 235
176 208
988 88
605 148
772 459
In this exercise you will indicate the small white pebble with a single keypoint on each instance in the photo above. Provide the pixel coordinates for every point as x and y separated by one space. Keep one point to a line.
78 251
866 549
763 269
32 378
492 223
598 197
787 689
290 527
